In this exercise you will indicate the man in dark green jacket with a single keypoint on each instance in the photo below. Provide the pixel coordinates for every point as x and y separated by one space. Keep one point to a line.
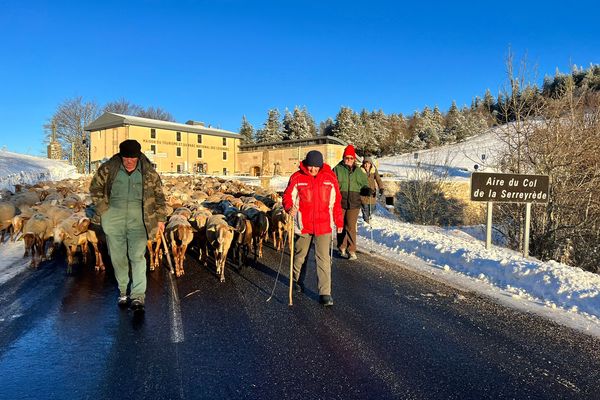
353 181
127 195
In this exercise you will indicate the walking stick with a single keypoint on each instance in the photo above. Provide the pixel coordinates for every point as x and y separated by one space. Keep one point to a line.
164 242
291 241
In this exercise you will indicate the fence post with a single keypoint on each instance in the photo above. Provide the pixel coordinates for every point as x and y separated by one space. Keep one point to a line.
488 228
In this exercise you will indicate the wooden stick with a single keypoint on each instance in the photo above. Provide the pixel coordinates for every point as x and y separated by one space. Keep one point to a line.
291 236
162 237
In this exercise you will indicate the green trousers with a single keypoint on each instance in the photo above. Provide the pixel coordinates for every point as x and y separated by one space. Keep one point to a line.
126 234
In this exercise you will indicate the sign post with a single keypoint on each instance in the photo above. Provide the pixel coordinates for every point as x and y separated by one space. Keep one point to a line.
509 188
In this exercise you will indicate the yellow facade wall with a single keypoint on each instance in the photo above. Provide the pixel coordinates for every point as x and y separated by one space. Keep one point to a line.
162 149
284 160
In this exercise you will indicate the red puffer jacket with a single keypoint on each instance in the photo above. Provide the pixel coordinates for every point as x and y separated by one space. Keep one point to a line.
317 199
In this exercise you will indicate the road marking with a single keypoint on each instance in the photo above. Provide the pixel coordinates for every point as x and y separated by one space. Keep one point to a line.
177 324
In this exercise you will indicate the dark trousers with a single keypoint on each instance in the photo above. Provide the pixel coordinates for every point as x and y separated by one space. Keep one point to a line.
347 239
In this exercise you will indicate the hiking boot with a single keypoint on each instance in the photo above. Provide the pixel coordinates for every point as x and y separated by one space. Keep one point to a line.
326 300
298 287
137 305
343 253
352 256
123 301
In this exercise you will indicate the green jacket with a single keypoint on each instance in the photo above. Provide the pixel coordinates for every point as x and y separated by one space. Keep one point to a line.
352 183
153 198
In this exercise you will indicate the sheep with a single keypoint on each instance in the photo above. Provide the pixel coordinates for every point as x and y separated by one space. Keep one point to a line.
72 232
242 238
260 228
279 225
36 231
7 213
179 235
219 236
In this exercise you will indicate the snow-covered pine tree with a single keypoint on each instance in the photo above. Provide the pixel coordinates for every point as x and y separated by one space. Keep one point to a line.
300 124
272 130
428 129
455 125
246 131
346 125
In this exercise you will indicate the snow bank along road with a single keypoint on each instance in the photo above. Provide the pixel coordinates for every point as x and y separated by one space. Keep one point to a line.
391 334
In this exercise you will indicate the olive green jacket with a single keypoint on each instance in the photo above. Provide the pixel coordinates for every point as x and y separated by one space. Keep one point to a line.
352 183
153 198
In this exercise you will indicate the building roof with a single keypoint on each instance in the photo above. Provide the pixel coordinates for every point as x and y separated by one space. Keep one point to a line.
294 143
113 120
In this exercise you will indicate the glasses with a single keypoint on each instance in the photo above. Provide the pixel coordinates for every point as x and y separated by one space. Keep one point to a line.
348 158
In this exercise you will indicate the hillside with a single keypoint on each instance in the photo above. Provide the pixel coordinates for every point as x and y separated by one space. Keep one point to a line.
19 168
456 160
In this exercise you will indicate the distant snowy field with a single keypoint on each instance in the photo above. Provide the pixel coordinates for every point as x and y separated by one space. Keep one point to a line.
19 168
455 161
456 256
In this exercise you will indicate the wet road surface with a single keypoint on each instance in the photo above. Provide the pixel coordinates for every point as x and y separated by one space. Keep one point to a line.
391 334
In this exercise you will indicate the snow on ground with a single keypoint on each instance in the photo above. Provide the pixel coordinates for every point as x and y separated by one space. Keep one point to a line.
19 168
456 256
454 161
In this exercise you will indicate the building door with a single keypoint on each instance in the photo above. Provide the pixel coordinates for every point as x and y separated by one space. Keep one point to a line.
255 171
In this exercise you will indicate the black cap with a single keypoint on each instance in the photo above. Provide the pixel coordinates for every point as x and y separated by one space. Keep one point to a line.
130 148
313 158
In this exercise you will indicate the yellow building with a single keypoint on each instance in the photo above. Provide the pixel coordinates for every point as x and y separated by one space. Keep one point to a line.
283 158
172 147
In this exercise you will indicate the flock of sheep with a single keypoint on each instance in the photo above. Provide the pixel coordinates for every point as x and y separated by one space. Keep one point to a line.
215 216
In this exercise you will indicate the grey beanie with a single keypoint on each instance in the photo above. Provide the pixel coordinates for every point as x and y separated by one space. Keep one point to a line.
368 159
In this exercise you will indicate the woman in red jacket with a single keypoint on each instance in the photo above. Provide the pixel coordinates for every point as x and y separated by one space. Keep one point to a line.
313 198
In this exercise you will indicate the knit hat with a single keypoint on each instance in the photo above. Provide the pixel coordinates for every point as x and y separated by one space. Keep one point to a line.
130 148
368 160
349 151
313 158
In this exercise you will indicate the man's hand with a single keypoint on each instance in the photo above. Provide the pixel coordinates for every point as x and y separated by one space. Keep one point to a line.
161 227
339 230
293 211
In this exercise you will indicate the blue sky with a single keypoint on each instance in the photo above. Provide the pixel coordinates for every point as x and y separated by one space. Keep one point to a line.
215 61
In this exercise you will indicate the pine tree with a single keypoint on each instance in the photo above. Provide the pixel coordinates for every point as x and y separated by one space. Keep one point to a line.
300 125
326 127
346 125
455 125
246 131
272 130
288 134
428 129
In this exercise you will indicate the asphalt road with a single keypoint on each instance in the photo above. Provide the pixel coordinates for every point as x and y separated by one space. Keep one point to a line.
391 334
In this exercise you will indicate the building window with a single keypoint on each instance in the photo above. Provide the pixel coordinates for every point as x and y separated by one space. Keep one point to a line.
179 168
153 165
224 155
153 148
199 153
199 138
179 136
179 152
152 133
224 141
224 171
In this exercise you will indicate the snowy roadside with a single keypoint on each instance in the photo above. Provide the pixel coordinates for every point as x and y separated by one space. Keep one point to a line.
567 295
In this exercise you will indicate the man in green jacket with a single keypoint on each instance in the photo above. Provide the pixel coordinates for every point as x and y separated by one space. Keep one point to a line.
128 197
353 181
